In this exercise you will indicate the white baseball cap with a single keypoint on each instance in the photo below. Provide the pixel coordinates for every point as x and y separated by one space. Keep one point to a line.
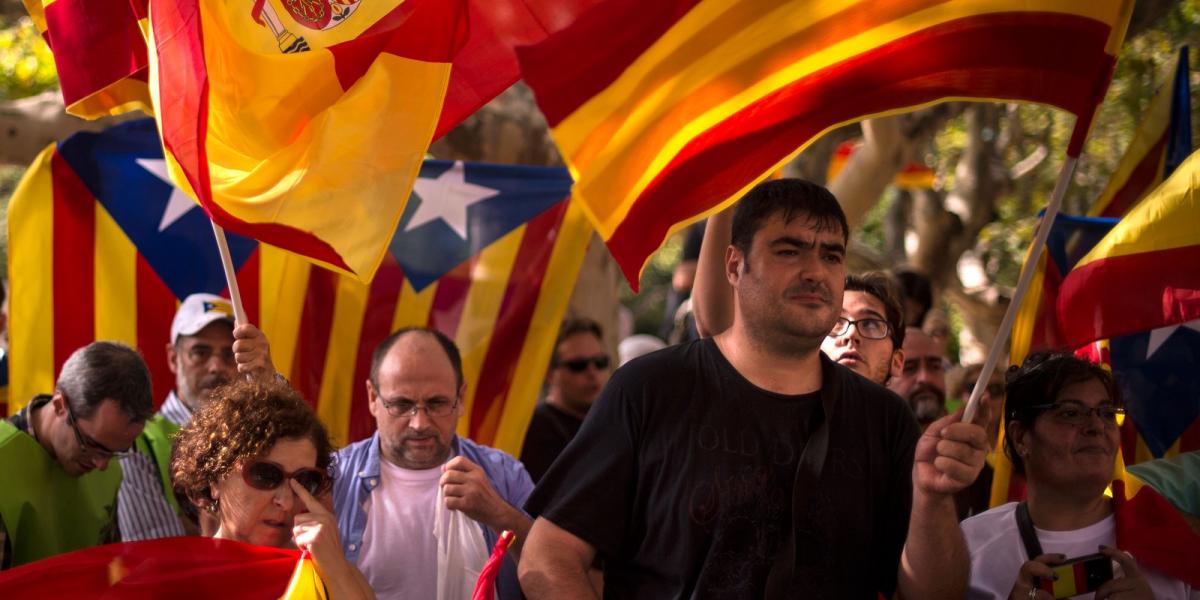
197 312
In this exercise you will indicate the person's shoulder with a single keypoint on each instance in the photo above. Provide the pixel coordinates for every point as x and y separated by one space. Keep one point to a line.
479 454
651 367
989 526
353 456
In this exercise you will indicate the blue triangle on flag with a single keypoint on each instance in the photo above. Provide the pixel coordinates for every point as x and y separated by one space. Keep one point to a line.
1161 386
124 169
457 209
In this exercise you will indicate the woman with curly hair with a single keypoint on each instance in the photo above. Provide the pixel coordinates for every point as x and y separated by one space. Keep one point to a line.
257 459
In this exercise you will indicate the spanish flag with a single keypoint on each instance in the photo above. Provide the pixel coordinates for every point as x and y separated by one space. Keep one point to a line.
302 124
692 102
1152 257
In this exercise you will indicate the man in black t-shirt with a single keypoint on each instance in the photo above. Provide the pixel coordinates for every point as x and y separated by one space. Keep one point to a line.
749 465
578 370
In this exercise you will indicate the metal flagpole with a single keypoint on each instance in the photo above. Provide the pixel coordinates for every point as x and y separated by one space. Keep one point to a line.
235 295
1035 254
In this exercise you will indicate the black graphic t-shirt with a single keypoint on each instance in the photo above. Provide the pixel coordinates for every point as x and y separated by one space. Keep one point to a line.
682 478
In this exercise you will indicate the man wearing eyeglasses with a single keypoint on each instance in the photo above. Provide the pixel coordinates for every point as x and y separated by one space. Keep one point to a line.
578 371
391 488
56 455
201 354
922 378
868 337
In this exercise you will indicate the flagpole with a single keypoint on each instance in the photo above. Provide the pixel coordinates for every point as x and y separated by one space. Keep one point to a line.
235 295
1035 253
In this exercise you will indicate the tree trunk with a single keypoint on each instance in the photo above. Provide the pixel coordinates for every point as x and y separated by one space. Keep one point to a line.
29 124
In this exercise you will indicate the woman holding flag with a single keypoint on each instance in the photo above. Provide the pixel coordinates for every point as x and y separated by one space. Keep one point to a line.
1062 417
258 459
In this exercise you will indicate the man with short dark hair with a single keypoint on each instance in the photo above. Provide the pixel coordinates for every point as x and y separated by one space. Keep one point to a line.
392 487
578 371
59 492
749 464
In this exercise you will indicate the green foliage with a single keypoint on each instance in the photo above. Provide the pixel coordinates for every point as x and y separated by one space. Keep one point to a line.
26 64
648 305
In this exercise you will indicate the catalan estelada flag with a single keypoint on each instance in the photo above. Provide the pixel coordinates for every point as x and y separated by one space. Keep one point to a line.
1162 140
1151 256
102 247
488 255
303 124
180 567
695 101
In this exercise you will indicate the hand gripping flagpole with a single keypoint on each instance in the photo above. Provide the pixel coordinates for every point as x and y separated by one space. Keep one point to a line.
1035 254
235 295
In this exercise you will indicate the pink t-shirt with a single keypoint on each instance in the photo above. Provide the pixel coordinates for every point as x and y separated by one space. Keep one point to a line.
399 551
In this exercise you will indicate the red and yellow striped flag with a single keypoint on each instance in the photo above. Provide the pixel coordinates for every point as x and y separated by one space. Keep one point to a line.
695 101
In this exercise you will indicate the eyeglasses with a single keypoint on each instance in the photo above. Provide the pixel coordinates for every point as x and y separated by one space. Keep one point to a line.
1074 413
995 390
872 329
438 407
200 354
579 365
933 364
266 476
89 445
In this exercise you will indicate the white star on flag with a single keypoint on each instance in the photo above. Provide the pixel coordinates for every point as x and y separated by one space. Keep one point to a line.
1159 336
447 198
178 204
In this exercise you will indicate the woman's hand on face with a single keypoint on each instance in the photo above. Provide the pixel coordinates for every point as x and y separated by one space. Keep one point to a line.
1132 584
315 530
1040 567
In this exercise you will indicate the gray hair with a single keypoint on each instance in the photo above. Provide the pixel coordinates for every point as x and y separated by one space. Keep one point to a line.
102 371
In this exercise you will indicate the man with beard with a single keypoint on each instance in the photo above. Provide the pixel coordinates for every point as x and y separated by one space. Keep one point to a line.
201 354
393 487
578 370
749 464
922 379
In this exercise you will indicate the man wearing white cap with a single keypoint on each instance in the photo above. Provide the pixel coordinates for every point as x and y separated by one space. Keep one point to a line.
206 350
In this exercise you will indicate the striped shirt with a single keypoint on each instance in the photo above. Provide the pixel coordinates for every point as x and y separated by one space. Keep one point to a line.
143 513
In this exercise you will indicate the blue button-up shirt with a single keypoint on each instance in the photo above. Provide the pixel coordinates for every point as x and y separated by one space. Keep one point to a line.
357 476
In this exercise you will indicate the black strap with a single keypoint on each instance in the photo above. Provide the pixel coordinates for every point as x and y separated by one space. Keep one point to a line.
1028 534
808 476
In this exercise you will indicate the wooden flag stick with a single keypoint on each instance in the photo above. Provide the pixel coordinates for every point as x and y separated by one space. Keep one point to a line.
235 295
1035 253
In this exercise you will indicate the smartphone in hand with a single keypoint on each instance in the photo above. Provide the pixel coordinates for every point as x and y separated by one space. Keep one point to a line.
1078 575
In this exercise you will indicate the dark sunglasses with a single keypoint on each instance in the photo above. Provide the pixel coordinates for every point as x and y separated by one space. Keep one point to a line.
579 365
266 476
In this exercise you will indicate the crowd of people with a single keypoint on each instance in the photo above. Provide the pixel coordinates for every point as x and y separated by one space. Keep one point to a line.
801 445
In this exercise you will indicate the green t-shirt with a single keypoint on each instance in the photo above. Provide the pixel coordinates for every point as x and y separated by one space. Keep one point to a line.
1176 478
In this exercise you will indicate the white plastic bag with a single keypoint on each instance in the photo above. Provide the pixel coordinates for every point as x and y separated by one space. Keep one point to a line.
462 552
